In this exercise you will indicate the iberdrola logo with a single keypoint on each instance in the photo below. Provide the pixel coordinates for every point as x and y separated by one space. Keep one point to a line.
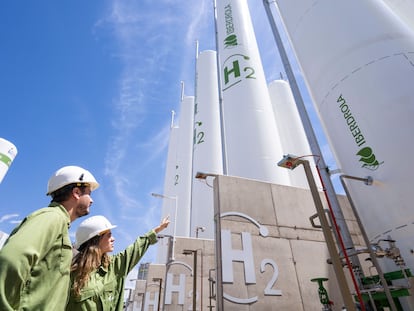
367 157
230 41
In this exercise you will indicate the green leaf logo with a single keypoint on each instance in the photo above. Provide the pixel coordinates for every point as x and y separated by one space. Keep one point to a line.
230 41
368 159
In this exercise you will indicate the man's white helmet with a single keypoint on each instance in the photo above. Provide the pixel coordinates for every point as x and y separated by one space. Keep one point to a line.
70 175
91 227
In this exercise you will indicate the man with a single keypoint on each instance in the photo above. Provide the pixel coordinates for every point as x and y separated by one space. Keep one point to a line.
35 260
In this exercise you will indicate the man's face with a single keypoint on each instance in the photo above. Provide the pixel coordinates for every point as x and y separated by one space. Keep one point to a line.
84 201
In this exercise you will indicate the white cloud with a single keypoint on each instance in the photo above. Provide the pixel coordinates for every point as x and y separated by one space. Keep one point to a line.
9 216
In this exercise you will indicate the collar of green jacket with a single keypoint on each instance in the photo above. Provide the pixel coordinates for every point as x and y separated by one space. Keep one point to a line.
61 208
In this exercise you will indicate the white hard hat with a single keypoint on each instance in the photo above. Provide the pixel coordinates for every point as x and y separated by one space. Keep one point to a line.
70 175
90 228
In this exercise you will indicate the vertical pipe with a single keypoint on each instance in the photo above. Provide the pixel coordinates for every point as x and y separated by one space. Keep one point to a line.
167 265
201 278
159 295
195 281
223 130
219 263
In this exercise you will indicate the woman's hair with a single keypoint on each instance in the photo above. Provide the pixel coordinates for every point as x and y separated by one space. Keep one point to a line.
88 259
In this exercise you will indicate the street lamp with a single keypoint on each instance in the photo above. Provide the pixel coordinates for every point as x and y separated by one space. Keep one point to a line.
202 229
194 253
175 198
159 291
218 252
291 162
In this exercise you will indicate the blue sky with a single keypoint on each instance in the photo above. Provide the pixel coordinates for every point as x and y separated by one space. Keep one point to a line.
92 83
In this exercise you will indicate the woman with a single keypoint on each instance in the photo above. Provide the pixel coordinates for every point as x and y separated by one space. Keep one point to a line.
97 279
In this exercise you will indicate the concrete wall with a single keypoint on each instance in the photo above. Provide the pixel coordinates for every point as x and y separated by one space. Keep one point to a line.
268 243
294 250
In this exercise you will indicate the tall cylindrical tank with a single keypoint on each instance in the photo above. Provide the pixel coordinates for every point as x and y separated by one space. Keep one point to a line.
178 179
8 152
292 133
169 195
183 166
357 58
252 145
404 9
207 154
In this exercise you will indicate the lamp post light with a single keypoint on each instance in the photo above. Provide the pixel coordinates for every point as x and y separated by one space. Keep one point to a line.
175 198
291 162
140 302
218 250
159 292
194 253
202 229
170 260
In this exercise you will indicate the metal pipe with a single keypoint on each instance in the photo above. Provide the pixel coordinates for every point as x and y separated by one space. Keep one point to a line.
194 253
195 281
211 289
167 265
201 279
222 123
219 259
217 238
159 292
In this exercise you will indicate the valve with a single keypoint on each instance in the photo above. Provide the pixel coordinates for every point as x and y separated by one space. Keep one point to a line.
323 294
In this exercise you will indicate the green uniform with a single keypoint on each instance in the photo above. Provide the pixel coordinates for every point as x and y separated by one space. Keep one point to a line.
35 262
105 288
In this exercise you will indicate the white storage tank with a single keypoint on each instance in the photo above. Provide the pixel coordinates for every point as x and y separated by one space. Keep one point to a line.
183 166
251 139
292 133
207 154
8 152
357 58
404 9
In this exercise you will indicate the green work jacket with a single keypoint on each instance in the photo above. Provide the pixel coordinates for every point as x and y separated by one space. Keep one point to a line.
35 262
105 288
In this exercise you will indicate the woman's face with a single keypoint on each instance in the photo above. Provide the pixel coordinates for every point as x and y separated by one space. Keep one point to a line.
106 243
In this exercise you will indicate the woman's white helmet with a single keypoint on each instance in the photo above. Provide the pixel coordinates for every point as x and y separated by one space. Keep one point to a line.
70 175
91 227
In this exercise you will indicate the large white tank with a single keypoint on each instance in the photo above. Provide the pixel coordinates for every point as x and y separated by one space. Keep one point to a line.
292 133
207 154
404 9
358 61
178 179
252 145
169 195
8 152
183 166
